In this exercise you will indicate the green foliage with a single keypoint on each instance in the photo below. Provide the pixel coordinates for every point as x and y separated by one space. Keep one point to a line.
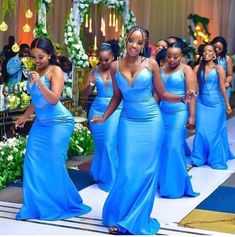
81 142
7 7
11 160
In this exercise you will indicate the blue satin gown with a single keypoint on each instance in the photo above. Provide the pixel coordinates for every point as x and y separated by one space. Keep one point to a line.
140 133
174 181
105 162
210 145
48 192
223 62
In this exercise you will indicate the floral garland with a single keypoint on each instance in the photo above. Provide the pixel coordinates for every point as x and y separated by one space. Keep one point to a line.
42 7
74 44
72 39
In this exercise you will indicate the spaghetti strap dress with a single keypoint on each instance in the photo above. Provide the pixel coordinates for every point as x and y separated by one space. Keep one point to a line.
174 181
140 134
105 162
48 192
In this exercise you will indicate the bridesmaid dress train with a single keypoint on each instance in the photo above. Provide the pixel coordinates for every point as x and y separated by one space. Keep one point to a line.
210 145
105 162
174 181
140 133
48 192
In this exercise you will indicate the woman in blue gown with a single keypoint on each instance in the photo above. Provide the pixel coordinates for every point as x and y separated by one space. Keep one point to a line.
140 133
48 192
225 61
174 181
105 162
210 145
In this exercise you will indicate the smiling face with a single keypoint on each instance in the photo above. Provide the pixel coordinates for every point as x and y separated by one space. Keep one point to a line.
40 57
174 56
135 43
209 53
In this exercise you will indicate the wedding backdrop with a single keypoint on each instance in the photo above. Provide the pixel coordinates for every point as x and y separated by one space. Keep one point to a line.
161 17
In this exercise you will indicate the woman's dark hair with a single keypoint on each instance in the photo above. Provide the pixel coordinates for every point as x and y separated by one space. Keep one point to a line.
161 56
144 35
181 42
202 64
112 46
200 50
46 45
221 40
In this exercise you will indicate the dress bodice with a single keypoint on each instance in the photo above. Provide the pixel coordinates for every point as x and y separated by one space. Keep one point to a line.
223 62
45 111
141 87
174 83
104 87
209 88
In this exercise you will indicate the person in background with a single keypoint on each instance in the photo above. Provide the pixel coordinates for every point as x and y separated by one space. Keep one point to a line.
15 66
66 65
174 181
105 162
7 53
161 44
161 57
48 192
210 144
129 204
225 61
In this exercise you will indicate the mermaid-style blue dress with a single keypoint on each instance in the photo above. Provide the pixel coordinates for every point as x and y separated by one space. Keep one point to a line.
105 162
174 181
210 145
48 192
140 133
223 62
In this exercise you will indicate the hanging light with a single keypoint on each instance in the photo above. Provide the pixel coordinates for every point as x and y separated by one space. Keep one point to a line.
110 19
95 43
123 31
90 25
198 28
114 19
28 14
116 25
86 21
15 48
26 28
3 26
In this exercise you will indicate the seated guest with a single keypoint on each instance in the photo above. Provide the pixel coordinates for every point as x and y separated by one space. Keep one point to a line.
15 66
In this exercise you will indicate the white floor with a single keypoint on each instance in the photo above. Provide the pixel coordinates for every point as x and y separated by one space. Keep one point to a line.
169 212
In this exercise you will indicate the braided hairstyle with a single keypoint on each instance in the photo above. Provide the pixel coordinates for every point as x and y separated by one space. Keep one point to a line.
144 33
202 64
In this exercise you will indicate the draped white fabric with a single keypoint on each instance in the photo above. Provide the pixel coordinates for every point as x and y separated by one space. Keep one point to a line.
161 17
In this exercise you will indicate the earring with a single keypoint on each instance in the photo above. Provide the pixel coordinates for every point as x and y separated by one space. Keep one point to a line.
214 57
142 50
49 57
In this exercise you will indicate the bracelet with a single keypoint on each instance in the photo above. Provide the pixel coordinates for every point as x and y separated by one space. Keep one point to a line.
91 84
40 84
228 109
182 99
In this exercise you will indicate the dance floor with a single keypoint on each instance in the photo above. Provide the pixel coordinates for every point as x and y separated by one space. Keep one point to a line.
169 212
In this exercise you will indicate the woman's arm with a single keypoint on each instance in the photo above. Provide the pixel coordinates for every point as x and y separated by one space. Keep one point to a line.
191 83
90 83
229 72
160 89
222 77
24 118
115 100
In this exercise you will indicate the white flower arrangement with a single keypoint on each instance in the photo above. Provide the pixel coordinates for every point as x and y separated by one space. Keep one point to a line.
40 29
74 44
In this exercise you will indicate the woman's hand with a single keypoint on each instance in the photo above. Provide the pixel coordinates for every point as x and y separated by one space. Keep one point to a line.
191 123
229 110
34 77
190 94
226 84
97 119
92 81
20 122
